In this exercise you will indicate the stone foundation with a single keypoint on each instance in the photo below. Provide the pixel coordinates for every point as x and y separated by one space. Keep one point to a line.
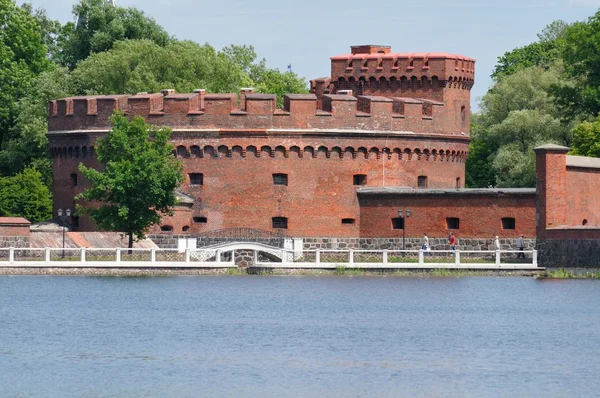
410 244
569 253
14 241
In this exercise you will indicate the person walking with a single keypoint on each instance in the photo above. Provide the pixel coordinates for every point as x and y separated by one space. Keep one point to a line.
521 246
497 243
425 242
452 242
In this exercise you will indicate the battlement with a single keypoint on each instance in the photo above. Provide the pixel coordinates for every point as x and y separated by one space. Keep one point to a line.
248 111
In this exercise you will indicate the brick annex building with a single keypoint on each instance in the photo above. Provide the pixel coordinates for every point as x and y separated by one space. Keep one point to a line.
387 131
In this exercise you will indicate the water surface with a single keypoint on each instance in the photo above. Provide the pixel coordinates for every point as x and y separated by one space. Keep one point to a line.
298 336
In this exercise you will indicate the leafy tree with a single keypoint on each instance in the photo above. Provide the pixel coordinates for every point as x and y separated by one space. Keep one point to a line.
141 65
25 195
514 168
586 139
22 57
581 53
542 53
100 25
479 172
139 178
516 114
28 144
265 80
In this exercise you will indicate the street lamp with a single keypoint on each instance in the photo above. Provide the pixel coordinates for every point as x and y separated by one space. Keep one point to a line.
63 217
401 215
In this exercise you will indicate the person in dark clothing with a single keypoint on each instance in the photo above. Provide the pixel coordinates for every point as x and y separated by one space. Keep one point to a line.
521 246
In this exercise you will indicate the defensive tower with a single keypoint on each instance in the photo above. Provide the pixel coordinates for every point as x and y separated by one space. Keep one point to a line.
382 119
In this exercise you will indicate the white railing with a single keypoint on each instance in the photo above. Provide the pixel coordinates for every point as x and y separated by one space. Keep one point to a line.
115 258
394 259
266 258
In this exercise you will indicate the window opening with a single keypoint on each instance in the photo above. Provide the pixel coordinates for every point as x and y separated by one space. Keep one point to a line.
280 179
73 179
508 223
166 228
202 220
360 179
196 179
348 221
422 182
452 223
397 223
280 222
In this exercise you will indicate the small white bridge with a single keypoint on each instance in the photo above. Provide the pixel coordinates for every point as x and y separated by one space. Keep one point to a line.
257 255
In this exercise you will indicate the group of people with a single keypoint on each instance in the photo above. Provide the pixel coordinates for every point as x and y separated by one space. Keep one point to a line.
453 242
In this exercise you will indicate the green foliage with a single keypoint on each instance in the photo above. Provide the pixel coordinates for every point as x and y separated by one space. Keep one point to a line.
141 65
28 144
100 26
265 80
542 53
518 114
586 139
25 195
139 178
581 53
22 57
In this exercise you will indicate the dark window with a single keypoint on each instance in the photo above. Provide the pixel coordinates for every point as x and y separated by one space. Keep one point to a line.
452 223
348 221
73 179
398 223
508 223
196 179
75 222
584 222
186 228
166 228
280 179
457 182
422 181
201 220
280 222
360 179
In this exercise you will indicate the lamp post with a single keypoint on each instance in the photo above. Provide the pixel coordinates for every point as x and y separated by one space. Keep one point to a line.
63 218
403 215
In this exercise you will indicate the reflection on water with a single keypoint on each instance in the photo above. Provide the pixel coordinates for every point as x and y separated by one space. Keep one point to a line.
297 336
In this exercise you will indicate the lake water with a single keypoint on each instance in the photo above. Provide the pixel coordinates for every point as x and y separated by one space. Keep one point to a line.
258 336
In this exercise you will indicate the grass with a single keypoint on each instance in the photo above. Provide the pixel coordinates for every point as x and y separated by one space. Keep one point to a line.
341 270
562 273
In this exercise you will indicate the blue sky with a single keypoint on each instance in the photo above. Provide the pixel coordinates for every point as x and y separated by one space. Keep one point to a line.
305 33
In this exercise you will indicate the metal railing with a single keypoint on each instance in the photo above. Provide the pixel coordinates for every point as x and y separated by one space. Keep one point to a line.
266 258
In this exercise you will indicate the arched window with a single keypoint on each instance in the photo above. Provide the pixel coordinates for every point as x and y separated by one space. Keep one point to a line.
166 228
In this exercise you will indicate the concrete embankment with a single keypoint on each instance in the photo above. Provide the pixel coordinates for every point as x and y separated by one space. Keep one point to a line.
151 272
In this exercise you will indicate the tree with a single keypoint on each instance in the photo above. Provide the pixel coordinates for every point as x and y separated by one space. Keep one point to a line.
137 185
140 65
516 114
265 80
586 139
28 144
25 195
22 57
100 25
542 53
581 53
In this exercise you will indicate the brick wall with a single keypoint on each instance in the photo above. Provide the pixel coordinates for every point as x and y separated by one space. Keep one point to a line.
14 232
567 205
480 212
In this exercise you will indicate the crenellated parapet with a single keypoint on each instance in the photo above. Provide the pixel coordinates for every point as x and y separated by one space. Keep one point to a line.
249 111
